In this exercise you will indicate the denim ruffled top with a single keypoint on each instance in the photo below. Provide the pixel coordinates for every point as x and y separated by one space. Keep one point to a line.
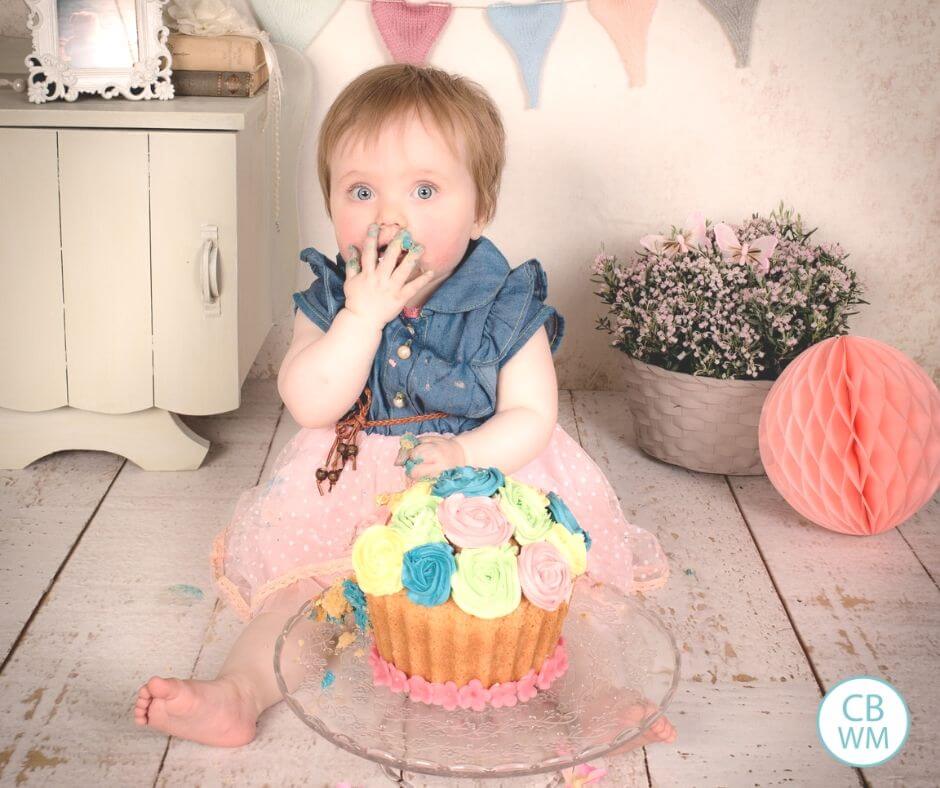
478 318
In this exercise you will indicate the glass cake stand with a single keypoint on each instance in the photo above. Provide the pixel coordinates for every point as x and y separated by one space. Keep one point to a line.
622 674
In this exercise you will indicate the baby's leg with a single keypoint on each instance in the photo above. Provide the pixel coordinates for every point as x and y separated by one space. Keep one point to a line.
223 712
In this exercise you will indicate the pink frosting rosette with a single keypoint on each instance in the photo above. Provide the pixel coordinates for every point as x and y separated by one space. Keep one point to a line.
525 687
473 522
503 694
397 680
473 696
419 690
445 695
544 575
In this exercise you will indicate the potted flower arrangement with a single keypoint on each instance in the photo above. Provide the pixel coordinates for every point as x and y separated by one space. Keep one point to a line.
708 317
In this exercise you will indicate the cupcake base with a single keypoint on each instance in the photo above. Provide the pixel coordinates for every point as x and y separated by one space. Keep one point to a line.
472 695
444 644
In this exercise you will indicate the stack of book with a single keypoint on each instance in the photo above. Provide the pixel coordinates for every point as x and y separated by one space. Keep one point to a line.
216 65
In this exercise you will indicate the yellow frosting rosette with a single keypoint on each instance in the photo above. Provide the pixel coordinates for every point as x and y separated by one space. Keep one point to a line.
571 546
486 583
526 509
377 558
419 491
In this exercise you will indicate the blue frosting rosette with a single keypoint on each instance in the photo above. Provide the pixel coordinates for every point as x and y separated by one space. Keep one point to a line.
357 601
426 572
562 514
468 480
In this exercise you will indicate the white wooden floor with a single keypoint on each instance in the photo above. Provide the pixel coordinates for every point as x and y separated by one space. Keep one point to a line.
104 581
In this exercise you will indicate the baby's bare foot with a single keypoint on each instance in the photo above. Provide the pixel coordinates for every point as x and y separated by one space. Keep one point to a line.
660 731
216 712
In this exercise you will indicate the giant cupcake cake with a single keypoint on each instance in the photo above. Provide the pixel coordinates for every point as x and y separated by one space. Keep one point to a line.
467 586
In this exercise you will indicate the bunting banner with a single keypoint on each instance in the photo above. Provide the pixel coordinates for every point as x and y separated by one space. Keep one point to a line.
409 30
627 22
737 19
528 30
294 22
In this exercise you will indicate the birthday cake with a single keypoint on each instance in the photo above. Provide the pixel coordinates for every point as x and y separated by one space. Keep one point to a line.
466 587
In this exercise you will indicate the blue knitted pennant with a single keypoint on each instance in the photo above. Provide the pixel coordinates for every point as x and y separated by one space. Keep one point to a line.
528 29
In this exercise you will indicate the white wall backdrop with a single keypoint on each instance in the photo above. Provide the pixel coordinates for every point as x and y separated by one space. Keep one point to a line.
838 114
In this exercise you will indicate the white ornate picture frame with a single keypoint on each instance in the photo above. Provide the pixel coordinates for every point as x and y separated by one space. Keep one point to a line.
51 76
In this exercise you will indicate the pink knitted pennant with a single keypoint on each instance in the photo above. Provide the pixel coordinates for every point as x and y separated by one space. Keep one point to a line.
409 31
627 22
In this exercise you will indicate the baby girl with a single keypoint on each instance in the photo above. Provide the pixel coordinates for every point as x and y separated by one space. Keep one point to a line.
419 328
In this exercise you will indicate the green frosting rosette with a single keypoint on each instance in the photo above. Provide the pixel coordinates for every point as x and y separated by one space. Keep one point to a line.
571 546
486 583
414 517
526 509
377 558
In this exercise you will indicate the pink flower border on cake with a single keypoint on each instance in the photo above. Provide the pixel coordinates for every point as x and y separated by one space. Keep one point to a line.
473 695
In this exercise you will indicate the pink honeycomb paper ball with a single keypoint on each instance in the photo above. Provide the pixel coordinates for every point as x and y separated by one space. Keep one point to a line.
850 435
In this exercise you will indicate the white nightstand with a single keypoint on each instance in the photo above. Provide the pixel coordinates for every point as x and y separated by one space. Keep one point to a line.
136 248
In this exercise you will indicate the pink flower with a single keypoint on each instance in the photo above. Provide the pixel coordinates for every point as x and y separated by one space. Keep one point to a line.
397 680
444 695
419 689
474 521
658 300
526 686
473 696
503 694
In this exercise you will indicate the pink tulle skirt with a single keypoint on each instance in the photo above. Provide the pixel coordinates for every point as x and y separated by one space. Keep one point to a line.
283 533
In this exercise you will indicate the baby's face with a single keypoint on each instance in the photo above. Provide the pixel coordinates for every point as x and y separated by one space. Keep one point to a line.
408 178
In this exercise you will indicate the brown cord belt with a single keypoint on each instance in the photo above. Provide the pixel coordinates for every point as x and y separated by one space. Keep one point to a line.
347 430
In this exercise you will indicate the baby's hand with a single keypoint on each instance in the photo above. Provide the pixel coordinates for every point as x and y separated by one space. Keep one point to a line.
435 454
375 291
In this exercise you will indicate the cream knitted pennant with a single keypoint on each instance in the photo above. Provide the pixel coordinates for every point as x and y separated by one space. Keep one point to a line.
294 22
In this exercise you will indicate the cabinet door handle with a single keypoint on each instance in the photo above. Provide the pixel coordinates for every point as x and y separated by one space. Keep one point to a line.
210 270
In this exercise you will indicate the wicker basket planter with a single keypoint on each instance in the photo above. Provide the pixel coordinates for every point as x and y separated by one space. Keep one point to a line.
699 423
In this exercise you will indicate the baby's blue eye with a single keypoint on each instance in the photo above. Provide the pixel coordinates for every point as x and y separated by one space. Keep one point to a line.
425 191
361 192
